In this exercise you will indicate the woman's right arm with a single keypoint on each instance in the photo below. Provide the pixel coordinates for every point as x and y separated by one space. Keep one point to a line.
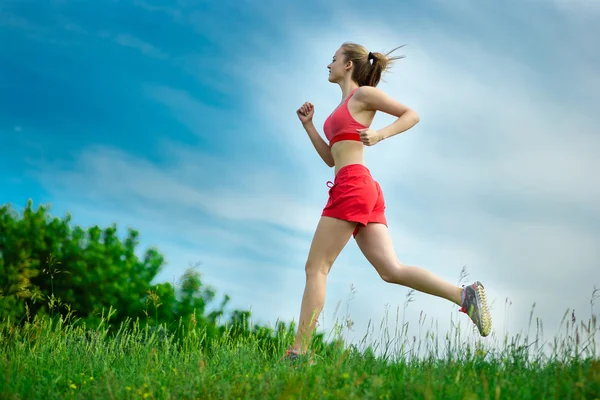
305 114
320 144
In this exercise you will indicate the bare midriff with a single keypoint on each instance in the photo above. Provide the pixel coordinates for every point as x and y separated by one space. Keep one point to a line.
347 152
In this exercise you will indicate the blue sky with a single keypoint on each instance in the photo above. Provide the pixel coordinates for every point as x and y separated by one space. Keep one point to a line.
180 121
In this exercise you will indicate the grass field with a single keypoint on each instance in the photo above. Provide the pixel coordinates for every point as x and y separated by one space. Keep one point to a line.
45 360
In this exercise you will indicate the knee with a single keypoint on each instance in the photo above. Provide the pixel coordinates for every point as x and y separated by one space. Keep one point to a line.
394 274
315 268
388 277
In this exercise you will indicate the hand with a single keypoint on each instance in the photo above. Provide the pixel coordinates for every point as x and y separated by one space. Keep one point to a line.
306 112
369 137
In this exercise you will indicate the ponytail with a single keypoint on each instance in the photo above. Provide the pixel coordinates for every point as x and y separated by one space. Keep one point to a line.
368 67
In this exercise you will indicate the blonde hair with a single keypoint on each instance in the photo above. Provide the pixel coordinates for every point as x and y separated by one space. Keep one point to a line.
366 73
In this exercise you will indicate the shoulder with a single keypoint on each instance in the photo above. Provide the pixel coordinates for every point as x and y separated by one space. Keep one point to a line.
366 93
369 95
376 99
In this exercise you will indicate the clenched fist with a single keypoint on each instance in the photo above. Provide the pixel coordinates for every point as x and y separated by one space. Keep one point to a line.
369 137
305 112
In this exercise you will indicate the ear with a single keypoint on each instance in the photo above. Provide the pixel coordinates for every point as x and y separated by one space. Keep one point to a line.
349 65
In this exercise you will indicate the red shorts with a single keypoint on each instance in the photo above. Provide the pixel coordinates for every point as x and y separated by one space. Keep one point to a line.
355 196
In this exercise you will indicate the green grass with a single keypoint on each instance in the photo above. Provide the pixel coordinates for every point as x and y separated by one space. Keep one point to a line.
51 360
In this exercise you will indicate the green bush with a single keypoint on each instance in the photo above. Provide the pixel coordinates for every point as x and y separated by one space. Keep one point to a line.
49 268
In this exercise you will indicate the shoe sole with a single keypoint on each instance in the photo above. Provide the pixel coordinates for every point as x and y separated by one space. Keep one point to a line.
484 313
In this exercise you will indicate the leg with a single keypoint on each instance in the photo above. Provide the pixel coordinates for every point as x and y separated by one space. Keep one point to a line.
330 238
376 244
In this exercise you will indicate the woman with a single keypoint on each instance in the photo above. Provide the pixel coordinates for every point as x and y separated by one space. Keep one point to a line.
356 204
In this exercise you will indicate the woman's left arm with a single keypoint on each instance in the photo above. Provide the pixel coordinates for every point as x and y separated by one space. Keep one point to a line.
377 100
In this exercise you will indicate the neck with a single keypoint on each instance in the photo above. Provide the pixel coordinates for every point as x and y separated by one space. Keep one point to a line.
347 86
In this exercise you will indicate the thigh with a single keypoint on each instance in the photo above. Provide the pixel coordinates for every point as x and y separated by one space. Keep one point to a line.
330 237
376 244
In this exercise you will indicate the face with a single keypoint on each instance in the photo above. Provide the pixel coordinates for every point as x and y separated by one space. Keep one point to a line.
337 67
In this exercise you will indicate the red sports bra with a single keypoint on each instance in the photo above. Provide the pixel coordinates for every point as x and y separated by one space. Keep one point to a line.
340 125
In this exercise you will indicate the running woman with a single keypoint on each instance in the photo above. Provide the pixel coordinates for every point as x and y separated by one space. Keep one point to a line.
356 205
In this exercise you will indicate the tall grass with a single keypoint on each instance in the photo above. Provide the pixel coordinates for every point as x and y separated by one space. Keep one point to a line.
51 358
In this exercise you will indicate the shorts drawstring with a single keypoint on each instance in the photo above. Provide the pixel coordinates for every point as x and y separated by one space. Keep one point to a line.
330 185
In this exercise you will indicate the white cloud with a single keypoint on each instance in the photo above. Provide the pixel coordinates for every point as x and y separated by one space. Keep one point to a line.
204 184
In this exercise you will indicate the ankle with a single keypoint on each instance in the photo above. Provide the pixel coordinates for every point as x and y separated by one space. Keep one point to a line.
461 297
